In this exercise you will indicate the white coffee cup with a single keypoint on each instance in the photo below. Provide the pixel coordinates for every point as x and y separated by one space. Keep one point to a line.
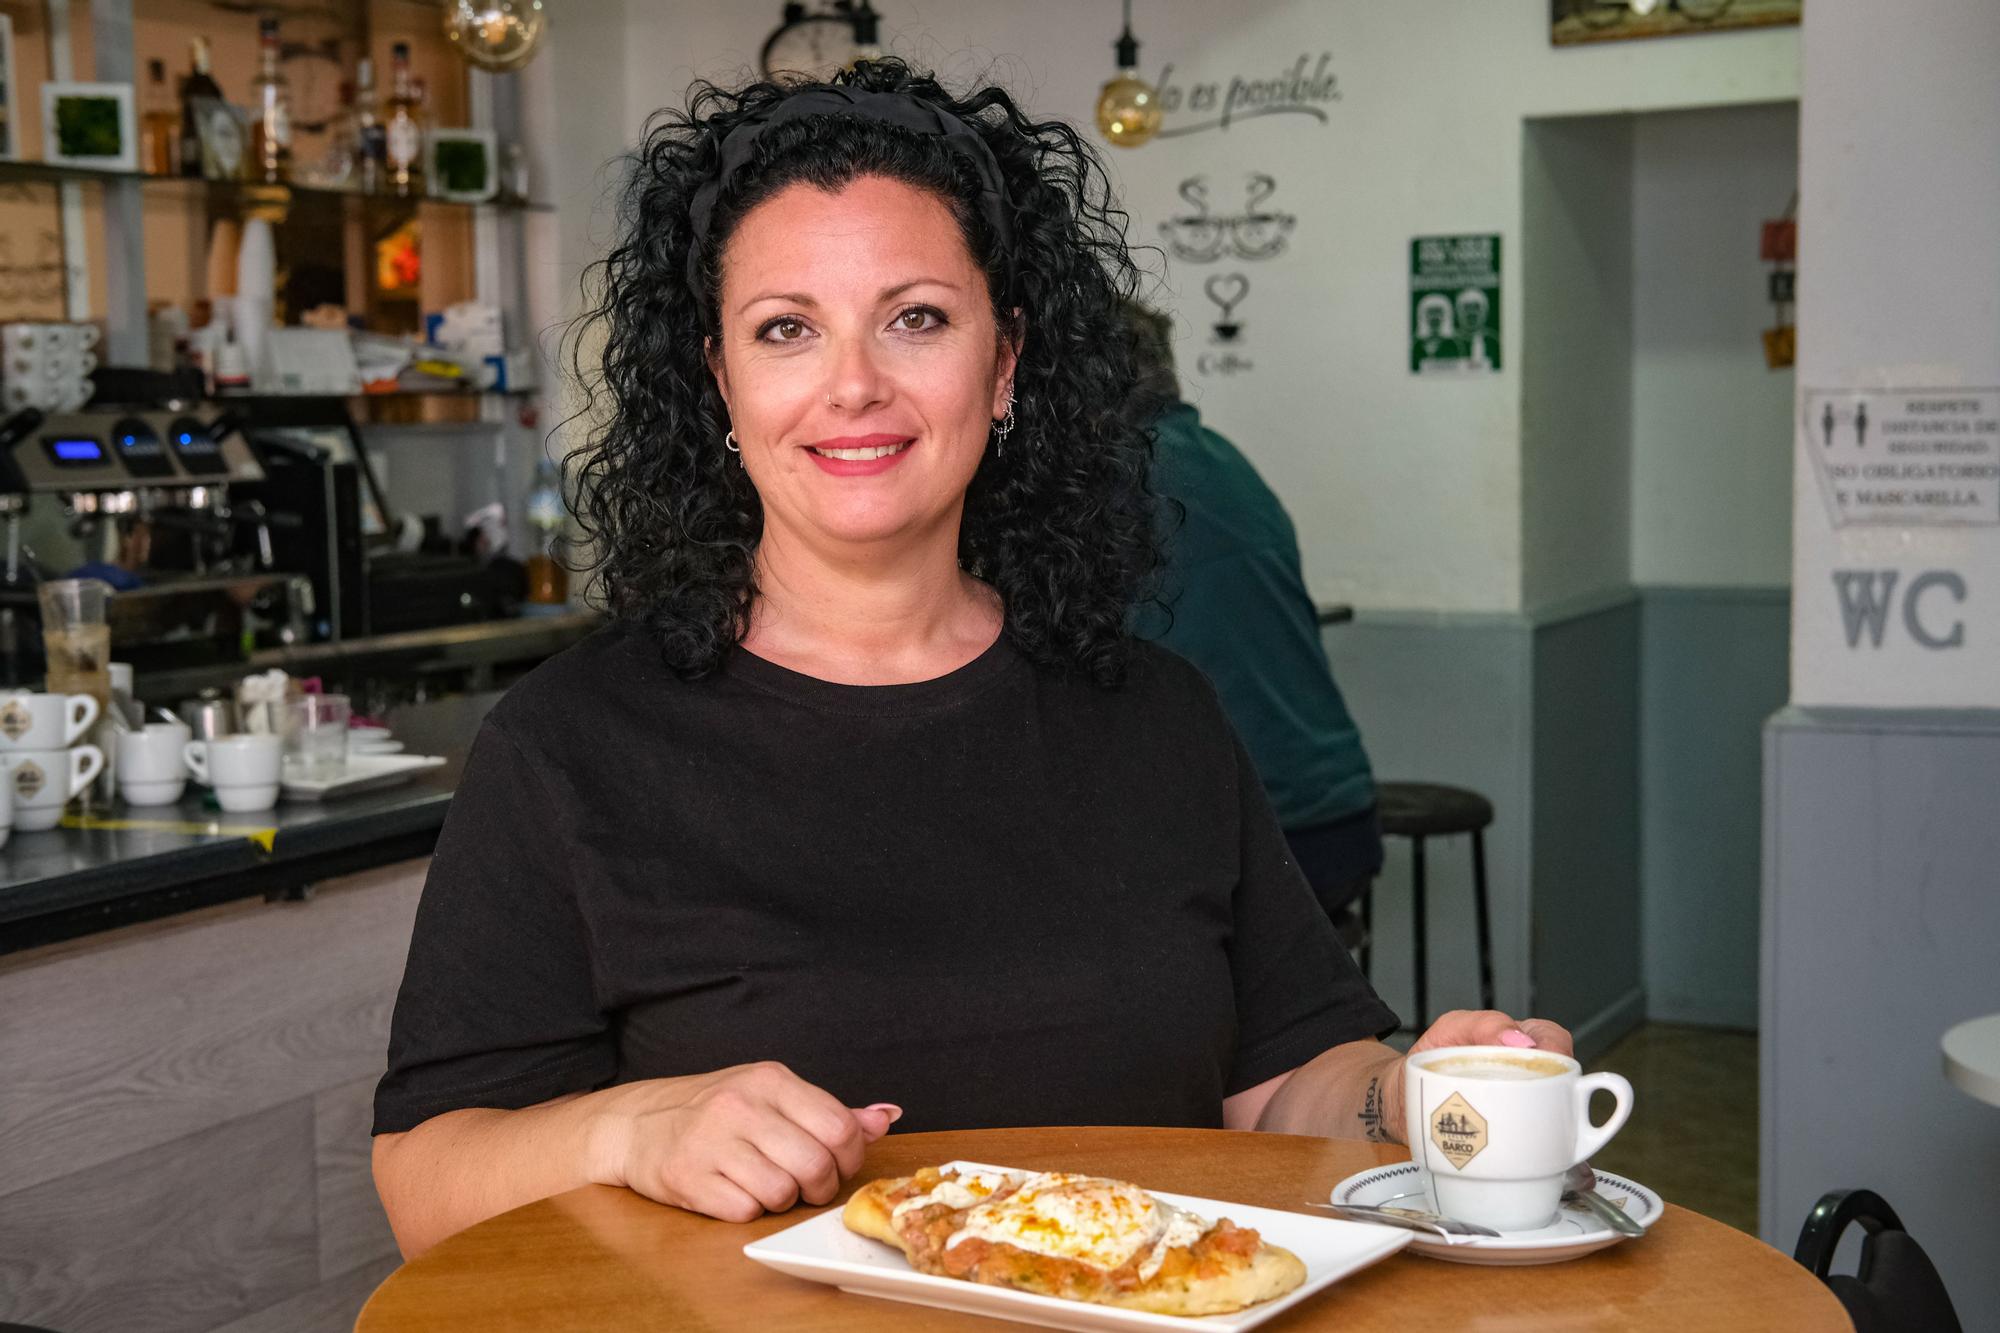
152 765
45 721
242 769
44 780
68 365
1495 1128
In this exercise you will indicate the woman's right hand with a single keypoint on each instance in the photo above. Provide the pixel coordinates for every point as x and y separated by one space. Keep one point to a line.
734 1143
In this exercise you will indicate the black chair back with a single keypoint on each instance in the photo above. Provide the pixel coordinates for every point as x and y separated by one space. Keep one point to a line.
1895 1288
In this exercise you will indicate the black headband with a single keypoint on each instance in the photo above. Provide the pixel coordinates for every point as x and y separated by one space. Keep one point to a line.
901 109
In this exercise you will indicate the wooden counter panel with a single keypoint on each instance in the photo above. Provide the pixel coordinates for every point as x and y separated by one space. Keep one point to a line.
185 1236
184 1114
144 1035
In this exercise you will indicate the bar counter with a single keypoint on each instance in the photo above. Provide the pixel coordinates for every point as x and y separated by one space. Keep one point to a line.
141 864
191 1026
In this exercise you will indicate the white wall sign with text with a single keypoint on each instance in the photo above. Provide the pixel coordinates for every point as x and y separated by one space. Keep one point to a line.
1906 457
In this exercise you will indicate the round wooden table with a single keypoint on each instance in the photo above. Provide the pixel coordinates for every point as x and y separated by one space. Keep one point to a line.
601 1258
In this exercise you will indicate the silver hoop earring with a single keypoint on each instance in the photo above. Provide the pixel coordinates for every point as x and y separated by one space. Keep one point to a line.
1002 429
729 443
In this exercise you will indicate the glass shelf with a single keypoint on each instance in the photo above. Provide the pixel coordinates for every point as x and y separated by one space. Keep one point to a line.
430 407
245 192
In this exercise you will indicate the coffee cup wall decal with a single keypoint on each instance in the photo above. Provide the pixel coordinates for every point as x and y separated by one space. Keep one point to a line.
1202 237
1258 234
1227 290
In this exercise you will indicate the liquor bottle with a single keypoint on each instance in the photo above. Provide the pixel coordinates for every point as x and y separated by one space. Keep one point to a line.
420 94
271 136
403 136
159 125
199 85
371 146
548 580
338 160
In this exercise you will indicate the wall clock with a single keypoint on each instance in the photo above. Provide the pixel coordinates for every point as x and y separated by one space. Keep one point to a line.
819 44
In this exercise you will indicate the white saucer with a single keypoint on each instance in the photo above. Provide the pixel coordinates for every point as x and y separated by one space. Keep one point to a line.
362 772
1575 1232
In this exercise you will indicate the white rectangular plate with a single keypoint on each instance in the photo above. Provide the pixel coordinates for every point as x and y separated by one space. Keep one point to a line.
364 772
822 1249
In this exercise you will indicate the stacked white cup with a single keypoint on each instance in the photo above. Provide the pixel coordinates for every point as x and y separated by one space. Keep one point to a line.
47 365
152 763
38 749
243 769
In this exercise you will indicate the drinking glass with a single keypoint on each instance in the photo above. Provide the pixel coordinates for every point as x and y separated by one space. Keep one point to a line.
77 637
316 734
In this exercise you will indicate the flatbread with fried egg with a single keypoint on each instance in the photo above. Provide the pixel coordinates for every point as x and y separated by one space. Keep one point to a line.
1082 1238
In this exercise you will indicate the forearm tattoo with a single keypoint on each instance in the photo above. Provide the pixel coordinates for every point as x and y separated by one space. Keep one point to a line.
1373 1127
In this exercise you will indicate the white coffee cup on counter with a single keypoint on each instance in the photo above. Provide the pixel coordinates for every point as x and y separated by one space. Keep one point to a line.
42 781
1495 1128
243 770
45 721
152 763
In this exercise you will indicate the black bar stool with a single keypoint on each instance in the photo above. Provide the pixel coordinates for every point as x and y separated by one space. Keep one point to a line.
1420 810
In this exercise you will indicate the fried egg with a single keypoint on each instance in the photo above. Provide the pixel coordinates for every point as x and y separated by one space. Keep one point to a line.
963 1190
1103 1223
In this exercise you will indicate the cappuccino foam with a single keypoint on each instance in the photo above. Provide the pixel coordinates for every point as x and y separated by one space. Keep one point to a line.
1498 1067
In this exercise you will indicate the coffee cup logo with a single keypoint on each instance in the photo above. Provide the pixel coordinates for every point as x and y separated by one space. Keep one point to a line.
15 719
1458 1131
29 780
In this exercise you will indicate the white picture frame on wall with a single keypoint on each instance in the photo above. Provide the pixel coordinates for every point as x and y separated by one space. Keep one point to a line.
10 109
89 125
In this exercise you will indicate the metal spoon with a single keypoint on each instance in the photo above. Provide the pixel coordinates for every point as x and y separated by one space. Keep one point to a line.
1580 1186
1410 1219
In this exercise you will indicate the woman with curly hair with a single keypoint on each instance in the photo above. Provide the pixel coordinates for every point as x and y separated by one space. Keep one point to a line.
865 805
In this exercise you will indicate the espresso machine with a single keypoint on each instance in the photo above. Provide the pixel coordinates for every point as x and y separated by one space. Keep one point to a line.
156 505
373 572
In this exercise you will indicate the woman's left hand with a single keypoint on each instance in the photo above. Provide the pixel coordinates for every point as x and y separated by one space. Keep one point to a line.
1490 1027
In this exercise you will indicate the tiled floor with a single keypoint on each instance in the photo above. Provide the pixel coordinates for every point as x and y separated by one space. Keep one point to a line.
1693 1132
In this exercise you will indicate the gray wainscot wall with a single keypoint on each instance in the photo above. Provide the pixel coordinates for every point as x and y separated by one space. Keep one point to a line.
1713 671
1617 736
1882 931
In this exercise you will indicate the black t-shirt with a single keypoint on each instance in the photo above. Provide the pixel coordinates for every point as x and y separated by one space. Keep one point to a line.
1001 897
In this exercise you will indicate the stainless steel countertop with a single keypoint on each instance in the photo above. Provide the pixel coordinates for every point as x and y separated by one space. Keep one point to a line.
142 864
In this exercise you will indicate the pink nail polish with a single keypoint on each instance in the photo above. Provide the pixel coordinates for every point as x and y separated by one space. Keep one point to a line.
1516 1037
895 1112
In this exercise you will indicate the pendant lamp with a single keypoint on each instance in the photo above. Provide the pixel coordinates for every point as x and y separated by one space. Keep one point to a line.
1128 110
495 35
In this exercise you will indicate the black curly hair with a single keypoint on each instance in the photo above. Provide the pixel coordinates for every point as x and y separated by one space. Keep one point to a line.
1061 525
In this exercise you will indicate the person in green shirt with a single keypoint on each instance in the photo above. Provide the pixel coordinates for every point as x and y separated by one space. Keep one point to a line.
1233 601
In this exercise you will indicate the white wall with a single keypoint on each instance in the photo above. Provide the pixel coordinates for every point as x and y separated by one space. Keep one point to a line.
578 94
1900 235
1406 491
1576 364
1656 445
1711 426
